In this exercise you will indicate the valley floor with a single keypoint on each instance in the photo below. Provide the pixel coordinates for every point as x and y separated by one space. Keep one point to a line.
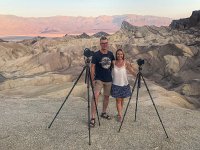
24 125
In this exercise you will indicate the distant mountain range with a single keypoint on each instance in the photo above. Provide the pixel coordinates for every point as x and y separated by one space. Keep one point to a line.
14 25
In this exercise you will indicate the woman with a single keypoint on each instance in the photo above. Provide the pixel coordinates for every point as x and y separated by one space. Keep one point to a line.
120 87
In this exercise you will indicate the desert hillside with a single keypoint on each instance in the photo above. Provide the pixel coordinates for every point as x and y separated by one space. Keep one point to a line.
171 57
37 74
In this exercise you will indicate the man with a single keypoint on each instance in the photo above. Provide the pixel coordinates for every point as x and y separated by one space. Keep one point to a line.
101 77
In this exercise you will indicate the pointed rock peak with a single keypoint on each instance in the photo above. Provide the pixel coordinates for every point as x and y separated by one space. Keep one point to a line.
83 35
100 34
127 26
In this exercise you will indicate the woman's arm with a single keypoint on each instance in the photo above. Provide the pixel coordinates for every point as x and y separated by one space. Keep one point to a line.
113 63
131 69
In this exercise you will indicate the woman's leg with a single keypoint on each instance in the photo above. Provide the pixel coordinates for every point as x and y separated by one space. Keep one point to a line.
119 105
122 103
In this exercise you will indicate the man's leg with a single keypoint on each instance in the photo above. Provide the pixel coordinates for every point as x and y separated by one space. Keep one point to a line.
97 88
105 103
107 88
93 108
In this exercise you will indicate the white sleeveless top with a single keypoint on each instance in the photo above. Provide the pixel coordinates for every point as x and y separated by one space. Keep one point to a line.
120 76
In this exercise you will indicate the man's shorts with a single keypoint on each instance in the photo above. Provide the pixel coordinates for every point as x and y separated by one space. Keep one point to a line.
105 85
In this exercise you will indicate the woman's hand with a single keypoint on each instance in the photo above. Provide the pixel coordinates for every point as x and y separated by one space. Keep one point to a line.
131 68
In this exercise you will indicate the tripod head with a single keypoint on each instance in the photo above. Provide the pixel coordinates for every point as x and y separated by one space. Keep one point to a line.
87 60
140 62
88 55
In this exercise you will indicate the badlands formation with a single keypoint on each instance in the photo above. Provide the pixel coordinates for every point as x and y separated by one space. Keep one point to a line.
36 76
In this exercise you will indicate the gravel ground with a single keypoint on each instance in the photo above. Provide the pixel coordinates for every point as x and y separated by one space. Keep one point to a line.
24 126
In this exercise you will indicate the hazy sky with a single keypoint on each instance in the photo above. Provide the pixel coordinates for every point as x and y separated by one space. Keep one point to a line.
46 8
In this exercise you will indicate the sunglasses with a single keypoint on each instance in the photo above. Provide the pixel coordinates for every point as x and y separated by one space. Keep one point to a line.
104 43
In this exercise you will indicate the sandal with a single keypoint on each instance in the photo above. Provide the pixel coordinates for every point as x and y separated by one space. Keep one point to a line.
92 122
105 116
119 118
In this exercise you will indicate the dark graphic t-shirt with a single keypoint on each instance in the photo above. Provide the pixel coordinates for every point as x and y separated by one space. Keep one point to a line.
103 64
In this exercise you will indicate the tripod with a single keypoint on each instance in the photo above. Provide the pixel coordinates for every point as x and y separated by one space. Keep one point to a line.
88 81
138 82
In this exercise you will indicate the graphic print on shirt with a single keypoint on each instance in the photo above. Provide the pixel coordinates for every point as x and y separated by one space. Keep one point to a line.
105 62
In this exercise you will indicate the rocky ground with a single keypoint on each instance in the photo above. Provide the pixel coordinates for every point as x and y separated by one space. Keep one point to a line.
24 125
27 112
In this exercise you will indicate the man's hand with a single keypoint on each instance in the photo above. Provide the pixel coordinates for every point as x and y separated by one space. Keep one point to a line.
93 83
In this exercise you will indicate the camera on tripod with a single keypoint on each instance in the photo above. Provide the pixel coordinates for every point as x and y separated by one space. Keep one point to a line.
88 80
88 53
140 62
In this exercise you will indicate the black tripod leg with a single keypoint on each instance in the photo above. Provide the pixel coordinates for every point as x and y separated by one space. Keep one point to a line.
88 94
128 103
94 99
86 76
154 105
66 98
138 87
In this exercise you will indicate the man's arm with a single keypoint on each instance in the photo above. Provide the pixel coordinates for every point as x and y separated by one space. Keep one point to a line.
92 71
